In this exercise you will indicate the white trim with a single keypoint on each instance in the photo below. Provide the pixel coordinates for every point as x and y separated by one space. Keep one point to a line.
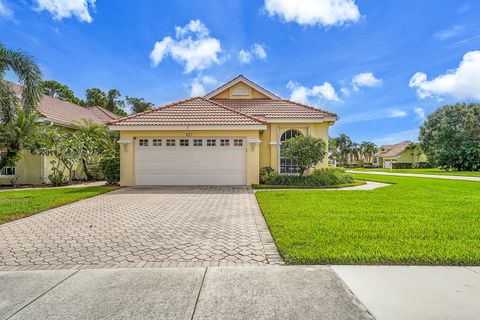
253 141
186 127
300 120
238 79
124 141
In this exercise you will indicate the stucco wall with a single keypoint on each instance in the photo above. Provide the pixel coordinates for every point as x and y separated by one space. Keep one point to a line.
127 152
253 94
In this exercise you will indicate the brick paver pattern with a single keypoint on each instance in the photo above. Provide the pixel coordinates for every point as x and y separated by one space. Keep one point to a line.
143 227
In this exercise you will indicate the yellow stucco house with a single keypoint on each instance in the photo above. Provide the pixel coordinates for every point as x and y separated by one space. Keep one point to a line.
389 155
34 169
222 138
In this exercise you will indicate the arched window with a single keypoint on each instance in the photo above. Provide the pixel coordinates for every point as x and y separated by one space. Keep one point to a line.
287 165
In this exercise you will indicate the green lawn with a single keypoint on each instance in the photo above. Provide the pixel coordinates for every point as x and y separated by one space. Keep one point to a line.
413 221
425 171
22 203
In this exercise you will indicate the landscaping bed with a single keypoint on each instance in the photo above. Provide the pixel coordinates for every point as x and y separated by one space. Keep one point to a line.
22 203
337 186
415 221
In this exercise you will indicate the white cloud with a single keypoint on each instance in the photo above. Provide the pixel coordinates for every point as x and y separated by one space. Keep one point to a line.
324 92
374 115
61 9
193 46
313 12
5 11
448 33
257 50
420 112
461 83
200 84
365 79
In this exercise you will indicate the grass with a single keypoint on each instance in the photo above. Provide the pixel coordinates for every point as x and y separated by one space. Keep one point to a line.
425 171
23 203
417 221
267 186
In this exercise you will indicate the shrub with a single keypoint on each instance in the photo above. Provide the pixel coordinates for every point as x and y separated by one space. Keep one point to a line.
319 177
110 168
57 178
265 173
367 165
305 151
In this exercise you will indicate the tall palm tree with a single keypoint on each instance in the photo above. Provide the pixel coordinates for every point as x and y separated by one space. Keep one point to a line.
368 149
30 77
415 150
343 144
354 152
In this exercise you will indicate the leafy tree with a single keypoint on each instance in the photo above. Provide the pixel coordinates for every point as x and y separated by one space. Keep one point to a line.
305 151
60 91
450 137
16 134
115 104
138 104
368 149
94 140
96 97
30 77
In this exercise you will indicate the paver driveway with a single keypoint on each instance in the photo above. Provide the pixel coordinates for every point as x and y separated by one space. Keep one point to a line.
143 227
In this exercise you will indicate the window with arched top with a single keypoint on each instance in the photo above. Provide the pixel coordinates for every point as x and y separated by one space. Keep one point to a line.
287 165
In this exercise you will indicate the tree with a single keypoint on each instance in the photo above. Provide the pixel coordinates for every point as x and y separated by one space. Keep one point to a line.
343 144
16 134
138 104
94 140
450 137
60 91
115 104
305 151
415 151
368 149
30 77
95 97
354 151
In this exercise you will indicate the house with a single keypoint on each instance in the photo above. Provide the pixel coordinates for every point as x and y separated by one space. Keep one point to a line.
33 169
222 138
398 154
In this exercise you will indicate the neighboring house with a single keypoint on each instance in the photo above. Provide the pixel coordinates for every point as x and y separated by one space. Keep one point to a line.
32 169
398 153
223 138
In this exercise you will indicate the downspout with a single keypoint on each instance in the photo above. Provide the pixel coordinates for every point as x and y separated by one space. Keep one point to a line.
44 160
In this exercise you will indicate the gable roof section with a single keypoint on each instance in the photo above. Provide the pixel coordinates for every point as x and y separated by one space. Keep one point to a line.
66 113
237 79
394 149
274 109
193 111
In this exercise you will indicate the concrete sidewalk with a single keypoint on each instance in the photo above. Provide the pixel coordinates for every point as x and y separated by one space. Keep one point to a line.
306 292
274 292
417 175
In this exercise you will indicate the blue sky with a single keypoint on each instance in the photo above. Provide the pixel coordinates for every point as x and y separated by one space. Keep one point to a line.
381 65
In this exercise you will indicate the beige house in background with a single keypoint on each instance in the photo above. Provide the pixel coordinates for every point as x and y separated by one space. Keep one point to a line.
33 169
222 138
387 155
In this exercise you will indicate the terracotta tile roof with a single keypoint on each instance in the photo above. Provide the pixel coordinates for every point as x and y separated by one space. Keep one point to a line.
274 108
193 111
65 112
393 150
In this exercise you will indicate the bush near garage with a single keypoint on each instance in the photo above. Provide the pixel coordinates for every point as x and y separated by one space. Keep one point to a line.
406 165
110 168
319 177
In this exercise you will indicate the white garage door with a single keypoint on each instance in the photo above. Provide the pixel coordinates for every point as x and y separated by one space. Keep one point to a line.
192 161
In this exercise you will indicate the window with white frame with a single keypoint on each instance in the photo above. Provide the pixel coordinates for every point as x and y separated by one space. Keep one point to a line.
224 142
170 142
143 142
211 142
197 142
287 165
183 142
7 171
157 142
237 142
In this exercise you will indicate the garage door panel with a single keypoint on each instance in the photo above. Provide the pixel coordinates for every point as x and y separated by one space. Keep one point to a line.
190 165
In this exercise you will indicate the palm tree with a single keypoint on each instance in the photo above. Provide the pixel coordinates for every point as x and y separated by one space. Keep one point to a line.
415 150
343 144
354 152
30 77
16 135
94 140
368 149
